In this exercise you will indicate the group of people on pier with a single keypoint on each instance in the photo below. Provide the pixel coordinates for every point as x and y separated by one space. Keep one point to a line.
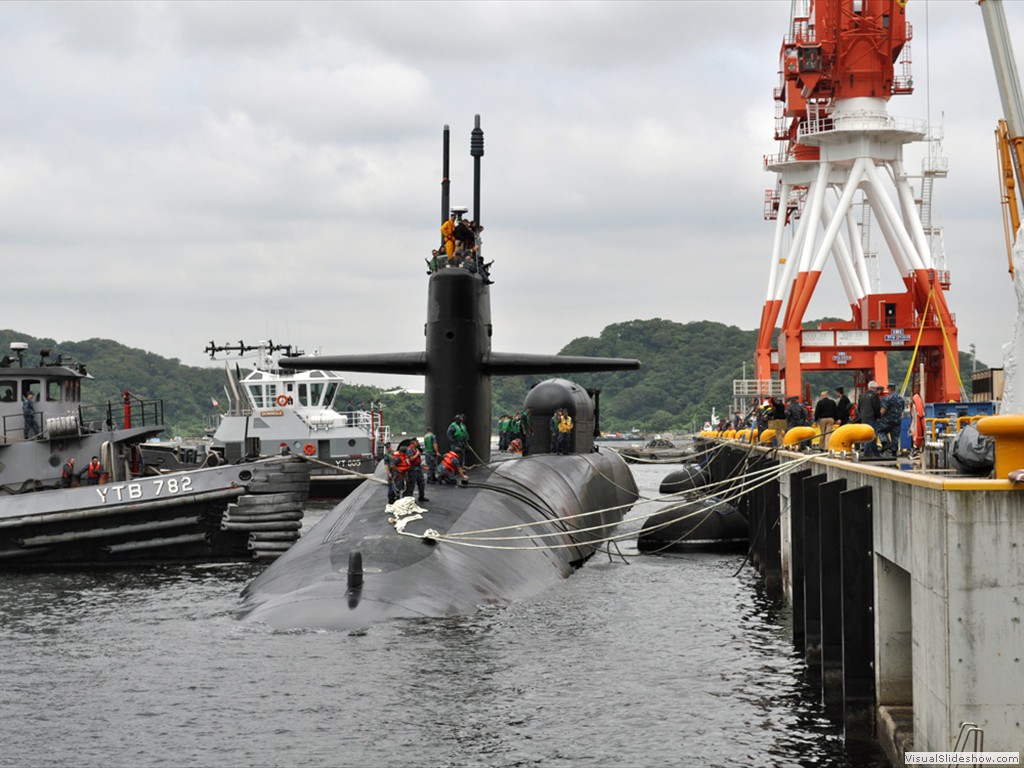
879 407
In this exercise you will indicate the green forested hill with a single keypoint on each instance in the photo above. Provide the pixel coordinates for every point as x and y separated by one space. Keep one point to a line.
686 369
187 391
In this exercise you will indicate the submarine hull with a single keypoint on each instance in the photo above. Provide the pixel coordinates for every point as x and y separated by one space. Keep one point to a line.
545 504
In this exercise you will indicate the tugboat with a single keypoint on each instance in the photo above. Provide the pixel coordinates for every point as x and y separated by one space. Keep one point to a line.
75 490
271 408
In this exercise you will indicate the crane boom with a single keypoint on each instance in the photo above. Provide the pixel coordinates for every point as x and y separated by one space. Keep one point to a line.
1010 131
1007 77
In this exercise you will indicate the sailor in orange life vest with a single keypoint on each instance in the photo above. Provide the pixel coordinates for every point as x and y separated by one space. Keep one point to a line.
449 467
448 233
414 478
400 471
67 473
93 470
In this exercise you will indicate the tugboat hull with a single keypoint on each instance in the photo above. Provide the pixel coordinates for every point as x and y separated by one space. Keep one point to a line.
225 513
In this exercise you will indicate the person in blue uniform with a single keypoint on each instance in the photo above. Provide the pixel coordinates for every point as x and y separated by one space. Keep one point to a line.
890 420
28 410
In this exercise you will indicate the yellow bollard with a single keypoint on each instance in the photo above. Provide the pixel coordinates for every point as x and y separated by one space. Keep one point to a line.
798 436
844 438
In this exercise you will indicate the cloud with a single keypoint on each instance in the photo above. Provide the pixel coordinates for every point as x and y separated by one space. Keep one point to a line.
175 172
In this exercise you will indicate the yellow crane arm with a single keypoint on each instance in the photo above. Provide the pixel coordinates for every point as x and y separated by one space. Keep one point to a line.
1006 149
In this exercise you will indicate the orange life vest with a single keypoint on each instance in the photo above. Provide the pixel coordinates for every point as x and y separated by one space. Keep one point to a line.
450 461
401 461
94 470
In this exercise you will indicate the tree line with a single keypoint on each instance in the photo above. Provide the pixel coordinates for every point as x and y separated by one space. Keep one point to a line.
686 370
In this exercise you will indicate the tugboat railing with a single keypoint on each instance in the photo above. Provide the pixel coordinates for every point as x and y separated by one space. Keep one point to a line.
133 411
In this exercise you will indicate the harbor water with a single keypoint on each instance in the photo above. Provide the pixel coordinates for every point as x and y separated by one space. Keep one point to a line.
655 661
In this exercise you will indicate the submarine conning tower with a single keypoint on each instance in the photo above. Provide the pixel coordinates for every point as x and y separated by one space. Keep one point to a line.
458 341
458 362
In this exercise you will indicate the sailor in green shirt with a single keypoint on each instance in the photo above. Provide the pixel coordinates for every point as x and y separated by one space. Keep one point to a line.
504 421
458 436
526 429
430 454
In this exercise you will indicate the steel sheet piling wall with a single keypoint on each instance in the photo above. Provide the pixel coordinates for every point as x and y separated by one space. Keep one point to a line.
831 605
858 610
812 576
796 528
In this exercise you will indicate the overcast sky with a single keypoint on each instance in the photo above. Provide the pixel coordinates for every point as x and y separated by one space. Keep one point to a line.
175 173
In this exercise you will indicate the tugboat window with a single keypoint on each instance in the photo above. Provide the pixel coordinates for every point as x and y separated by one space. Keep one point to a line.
332 389
53 390
72 390
303 395
7 391
30 385
315 391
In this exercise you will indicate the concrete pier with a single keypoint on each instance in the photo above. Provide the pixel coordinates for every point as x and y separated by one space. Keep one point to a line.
907 593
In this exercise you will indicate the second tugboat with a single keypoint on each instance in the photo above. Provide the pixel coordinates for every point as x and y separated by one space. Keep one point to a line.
271 408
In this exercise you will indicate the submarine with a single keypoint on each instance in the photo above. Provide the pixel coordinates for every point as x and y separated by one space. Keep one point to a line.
515 526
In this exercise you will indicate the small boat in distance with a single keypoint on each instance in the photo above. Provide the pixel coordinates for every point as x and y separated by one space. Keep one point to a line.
60 509
657 450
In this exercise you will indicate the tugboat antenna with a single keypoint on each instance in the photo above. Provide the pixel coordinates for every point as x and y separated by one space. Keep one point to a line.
241 348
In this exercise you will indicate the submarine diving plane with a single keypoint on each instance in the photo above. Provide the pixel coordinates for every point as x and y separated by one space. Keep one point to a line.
516 526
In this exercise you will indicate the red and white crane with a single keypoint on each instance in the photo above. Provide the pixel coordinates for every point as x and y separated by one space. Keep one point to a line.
840 149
